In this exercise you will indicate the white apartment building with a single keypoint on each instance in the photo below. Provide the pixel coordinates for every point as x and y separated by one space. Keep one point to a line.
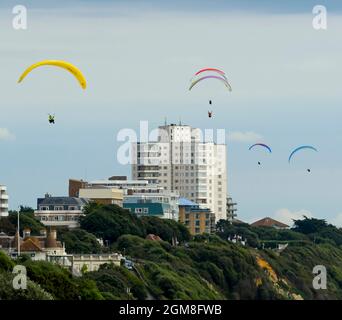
60 211
182 161
3 201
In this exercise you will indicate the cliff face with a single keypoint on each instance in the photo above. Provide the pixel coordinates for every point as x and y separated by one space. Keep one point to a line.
222 270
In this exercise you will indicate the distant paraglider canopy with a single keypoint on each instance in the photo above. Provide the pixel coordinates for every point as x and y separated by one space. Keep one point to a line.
261 145
299 149
223 80
212 70
58 63
213 74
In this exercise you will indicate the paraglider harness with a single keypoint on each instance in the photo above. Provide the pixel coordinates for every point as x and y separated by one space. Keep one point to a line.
51 119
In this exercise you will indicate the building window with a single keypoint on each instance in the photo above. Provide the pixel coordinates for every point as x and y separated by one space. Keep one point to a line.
59 208
138 210
72 208
197 230
197 223
44 208
145 210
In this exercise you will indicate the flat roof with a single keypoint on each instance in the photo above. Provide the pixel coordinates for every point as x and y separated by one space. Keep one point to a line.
106 181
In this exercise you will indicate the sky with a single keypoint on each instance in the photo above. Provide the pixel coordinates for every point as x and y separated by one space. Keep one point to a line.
138 58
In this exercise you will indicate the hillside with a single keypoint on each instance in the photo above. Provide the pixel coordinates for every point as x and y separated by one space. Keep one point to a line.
204 267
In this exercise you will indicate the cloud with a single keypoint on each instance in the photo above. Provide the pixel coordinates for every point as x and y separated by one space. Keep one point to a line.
337 220
6 135
287 216
248 136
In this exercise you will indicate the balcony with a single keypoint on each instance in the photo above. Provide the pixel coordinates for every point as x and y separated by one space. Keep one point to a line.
56 223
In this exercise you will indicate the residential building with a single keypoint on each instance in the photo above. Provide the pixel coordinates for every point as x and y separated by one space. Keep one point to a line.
75 186
60 211
92 262
269 222
155 209
133 191
231 209
180 161
102 195
198 220
37 247
46 247
163 205
3 201
118 182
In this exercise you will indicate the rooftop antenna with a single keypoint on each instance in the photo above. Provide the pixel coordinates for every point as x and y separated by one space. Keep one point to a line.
165 121
180 120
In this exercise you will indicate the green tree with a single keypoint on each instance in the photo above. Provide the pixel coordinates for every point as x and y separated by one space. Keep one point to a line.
79 241
111 221
26 219
166 228
309 225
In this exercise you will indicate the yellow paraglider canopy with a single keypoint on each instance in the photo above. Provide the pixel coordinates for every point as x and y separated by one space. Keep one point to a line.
58 63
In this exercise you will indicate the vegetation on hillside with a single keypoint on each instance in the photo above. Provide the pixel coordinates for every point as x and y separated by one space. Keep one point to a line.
201 267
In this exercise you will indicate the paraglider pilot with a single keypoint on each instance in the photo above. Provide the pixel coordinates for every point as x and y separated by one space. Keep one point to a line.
210 114
51 119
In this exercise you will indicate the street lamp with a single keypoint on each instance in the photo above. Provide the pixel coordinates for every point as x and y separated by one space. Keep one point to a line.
18 233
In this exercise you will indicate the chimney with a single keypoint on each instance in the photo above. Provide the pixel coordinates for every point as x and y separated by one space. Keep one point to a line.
43 232
51 239
53 234
26 232
47 195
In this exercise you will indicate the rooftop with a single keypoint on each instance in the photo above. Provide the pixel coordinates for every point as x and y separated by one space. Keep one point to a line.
49 200
186 202
269 222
